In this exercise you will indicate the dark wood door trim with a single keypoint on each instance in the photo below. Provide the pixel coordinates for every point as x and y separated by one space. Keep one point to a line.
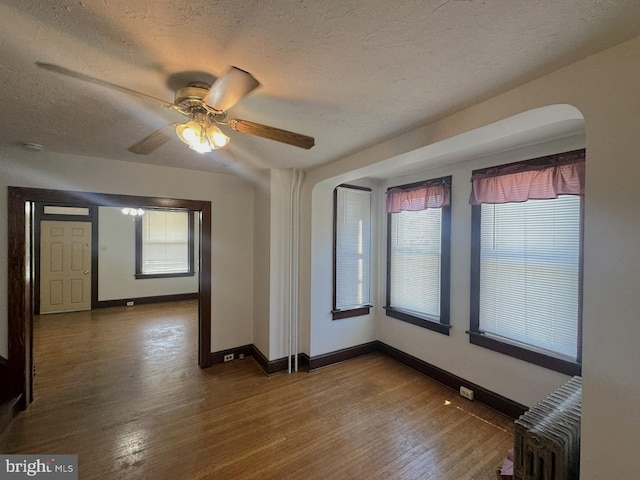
19 295
20 269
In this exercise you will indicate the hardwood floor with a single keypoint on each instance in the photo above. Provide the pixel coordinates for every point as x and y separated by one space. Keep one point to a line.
121 388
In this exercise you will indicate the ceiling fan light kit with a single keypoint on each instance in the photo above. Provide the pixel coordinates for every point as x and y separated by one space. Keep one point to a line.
206 106
201 134
134 212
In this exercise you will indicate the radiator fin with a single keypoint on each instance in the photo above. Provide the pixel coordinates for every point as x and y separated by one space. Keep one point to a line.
547 437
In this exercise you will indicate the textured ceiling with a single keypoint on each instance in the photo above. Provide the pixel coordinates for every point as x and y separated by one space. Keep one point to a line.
350 73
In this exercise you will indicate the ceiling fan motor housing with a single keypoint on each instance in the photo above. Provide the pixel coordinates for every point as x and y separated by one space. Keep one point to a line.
191 95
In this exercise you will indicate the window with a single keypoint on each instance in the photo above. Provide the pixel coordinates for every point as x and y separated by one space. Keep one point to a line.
352 251
526 279
418 253
59 210
164 244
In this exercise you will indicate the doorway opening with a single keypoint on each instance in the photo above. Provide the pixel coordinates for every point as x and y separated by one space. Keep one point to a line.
64 258
21 221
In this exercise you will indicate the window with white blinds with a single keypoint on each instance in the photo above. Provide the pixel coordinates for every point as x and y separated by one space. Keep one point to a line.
530 273
164 243
418 253
526 260
414 250
352 251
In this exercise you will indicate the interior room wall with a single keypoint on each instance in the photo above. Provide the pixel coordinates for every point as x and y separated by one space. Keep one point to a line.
328 335
262 265
283 253
232 223
454 353
603 87
117 257
279 252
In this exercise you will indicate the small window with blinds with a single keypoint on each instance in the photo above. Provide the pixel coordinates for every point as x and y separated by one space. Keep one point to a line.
352 251
164 244
526 289
418 246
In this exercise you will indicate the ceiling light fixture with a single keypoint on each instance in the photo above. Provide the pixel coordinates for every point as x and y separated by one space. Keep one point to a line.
200 133
134 212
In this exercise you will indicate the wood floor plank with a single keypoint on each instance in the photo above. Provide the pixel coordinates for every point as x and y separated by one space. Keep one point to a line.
121 388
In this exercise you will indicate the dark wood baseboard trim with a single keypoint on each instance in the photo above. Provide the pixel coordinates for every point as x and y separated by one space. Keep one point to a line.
303 361
260 358
277 366
244 351
270 366
487 397
311 363
146 300
341 355
491 399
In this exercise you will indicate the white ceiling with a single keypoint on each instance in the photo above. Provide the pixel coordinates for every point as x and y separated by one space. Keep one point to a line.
350 73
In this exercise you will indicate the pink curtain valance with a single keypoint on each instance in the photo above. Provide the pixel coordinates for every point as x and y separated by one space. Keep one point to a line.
522 182
418 198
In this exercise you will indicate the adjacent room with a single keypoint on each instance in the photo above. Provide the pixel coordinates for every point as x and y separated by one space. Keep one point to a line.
318 239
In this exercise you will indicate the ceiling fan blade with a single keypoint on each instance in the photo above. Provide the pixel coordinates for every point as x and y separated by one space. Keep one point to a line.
229 89
151 142
103 83
272 133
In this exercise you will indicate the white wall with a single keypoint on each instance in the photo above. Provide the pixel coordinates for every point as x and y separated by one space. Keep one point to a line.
604 88
454 353
232 223
262 266
117 262
284 254
280 237
328 335
273 241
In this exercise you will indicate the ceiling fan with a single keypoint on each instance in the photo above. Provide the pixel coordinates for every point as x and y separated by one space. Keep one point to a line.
206 107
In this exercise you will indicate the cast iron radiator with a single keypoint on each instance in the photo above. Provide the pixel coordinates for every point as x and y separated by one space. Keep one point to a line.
547 437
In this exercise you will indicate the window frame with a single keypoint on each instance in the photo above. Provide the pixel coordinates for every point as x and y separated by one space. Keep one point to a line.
443 325
139 275
336 313
514 348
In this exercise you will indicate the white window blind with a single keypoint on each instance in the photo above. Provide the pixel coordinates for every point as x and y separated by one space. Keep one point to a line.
165 242
415 253
353 247
530 273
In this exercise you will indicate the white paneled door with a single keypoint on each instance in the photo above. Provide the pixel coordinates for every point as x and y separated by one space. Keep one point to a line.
65 266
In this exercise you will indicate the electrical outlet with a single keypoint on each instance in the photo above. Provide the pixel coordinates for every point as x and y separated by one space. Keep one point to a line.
466 393
229 357
241 356
130 304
